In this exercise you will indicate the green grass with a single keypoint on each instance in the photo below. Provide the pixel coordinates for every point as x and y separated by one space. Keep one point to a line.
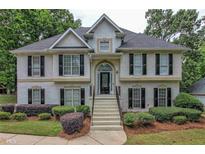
7 99
181 137
31 127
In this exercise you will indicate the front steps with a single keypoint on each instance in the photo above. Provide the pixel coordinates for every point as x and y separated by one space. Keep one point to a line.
106 115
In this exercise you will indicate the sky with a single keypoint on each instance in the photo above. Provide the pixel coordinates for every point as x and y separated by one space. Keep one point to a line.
133 20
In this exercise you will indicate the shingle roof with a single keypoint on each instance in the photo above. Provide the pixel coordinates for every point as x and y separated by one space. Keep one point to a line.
131 40
197 86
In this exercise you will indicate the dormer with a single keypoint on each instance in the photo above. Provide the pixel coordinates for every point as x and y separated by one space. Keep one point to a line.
104 35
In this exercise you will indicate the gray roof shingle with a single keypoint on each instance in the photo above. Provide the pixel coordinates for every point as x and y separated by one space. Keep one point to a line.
131 40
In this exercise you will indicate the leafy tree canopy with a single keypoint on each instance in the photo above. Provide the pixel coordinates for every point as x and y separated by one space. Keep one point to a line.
21 27
182 27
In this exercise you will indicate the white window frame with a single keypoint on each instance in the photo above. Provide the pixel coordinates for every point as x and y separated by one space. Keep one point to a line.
72 89
36 68
39 101
71 74
165 65
162 98
102 41
136 99
135 65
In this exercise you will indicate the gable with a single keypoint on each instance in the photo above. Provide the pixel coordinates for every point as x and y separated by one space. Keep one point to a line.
70 41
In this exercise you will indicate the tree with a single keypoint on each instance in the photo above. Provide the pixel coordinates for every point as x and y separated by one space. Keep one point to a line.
183 27
21 27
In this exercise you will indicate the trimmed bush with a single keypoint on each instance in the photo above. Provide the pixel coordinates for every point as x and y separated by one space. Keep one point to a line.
185 100
164 114
44 116
129 119
72 122
19 116
61 110
83 108
34 109
144 118
5 115
8 108
180 120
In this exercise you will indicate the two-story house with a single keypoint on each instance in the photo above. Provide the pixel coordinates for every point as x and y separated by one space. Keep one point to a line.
71 68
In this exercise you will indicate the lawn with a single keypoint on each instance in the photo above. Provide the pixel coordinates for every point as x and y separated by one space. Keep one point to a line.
32 127
7 99
182 137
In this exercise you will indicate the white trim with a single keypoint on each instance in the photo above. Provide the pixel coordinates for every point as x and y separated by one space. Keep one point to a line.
64 34
108 19
71 65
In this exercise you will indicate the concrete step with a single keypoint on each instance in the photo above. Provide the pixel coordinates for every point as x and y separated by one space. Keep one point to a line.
105 103
105 98
105 107
108 110
105 114
106 118
113 122
107 127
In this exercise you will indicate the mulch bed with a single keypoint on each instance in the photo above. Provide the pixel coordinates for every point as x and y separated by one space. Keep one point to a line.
82 132
159 127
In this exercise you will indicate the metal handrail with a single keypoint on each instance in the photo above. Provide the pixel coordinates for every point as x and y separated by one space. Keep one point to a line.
118 100
93 100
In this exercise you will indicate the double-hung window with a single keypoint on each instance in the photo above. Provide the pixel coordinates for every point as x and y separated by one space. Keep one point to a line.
162 97
138 66
104 45
71 64
36 96
136 100
164 64
72 97
36 66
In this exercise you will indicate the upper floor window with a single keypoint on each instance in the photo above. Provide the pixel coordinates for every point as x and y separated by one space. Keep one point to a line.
36 69
71 64
104 45
138 66
164 64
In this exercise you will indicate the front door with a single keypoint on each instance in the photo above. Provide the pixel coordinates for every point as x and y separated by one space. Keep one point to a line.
104 82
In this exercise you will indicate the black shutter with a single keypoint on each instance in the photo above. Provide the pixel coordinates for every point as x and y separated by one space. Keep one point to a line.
42 66
131 64
82 93
155 97
29 96
60 65
143 98
130 98
144 62
157 62
42 96
29 65
62 96
81 65
170 64
169 97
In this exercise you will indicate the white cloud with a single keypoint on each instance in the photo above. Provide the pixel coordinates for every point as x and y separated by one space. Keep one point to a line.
133 20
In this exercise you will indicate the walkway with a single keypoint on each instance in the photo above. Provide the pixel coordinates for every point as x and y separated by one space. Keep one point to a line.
92 138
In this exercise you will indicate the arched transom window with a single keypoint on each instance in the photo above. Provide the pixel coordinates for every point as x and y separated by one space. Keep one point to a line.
104 67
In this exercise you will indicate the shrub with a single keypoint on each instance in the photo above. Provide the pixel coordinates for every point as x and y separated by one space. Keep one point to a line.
34 109
61 110
83 108
180 119
8 108
129 119
164 114
44 116
185 100
19 116
145 118
5 115
72 122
